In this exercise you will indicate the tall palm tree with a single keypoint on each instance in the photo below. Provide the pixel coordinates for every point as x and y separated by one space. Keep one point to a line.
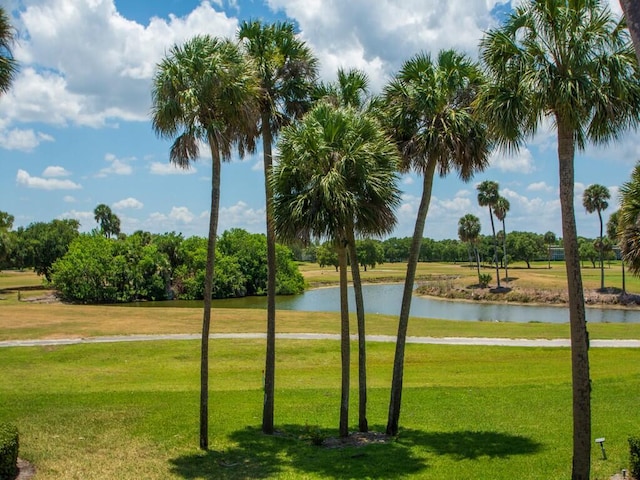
286 71
428 111
206 91
108 221
501 208
613 232
8 64
572 62
336 174
351 89
469 232
549 239
629 227
631 10
487 197
594 199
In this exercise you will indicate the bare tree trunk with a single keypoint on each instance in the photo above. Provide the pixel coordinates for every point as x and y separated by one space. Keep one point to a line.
345 347
631 9
495 247
601 253
270 360
208 288
504 248
363 424
403 323
579 336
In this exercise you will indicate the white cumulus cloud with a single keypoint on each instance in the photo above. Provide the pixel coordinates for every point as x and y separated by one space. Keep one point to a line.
168 168
126 203
24 179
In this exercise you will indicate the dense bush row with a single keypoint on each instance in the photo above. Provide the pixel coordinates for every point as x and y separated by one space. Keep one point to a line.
9 445
143 266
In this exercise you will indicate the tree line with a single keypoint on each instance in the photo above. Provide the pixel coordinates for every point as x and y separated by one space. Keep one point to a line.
95 268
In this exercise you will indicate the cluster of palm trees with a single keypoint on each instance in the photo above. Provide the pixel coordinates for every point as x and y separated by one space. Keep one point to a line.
569 61
335 177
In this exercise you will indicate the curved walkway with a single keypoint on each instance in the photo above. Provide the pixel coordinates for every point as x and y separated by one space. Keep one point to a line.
501 342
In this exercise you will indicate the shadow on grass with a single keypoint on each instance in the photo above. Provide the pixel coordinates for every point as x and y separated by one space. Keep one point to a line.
469 445
259 456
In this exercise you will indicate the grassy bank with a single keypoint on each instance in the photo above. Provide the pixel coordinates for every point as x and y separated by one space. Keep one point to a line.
129 411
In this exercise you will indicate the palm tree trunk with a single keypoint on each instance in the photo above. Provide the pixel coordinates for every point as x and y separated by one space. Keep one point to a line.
631 10
601 253
475 249
270 360
624 287
495 247
363 424
403 323
208 288
504 249
579 336
345 347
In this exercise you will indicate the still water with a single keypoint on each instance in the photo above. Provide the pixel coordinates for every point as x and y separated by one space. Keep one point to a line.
386 299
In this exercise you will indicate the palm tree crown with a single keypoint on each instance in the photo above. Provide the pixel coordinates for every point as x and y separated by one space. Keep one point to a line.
8 65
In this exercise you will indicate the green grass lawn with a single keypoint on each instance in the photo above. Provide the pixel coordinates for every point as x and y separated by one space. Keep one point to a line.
130 411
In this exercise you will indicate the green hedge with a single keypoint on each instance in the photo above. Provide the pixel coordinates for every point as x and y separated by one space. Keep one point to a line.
8 451
634 456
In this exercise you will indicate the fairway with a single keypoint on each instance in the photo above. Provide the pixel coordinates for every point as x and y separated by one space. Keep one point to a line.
130 411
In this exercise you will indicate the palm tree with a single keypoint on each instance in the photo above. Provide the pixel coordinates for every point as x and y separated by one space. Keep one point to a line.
594 199
570 61
108 221
613 232
206 91
487 197
631 10
8 65
286 71
469 232
352 90
629 227
336 175
428 111
501 208
549 239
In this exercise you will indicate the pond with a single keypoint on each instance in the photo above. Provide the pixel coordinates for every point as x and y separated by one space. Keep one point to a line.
386 298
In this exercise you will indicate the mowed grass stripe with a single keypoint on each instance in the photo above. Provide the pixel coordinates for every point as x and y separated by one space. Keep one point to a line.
130 411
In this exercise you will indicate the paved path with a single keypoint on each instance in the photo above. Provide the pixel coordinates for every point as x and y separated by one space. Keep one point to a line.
503 342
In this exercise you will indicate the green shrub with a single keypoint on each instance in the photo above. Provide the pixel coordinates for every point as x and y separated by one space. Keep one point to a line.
484 279
634 456
8 451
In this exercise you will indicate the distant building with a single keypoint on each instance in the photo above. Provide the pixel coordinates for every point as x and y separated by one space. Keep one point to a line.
557 253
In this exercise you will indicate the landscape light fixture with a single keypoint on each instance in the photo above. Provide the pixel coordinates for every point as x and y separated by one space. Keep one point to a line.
600 441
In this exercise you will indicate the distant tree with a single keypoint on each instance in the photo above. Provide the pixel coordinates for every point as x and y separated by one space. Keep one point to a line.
501 208
107 220
549 239
48 242
487 197
6 239
370 252
326 255
8 64
594 199
613 232
469 231
526 246
588 251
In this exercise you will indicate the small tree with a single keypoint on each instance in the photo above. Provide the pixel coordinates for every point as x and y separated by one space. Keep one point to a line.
549 239
595 199
469 232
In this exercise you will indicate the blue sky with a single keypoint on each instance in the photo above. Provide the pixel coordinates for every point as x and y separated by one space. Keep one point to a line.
75 130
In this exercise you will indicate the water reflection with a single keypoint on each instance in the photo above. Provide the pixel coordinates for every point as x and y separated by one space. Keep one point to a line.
386 299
